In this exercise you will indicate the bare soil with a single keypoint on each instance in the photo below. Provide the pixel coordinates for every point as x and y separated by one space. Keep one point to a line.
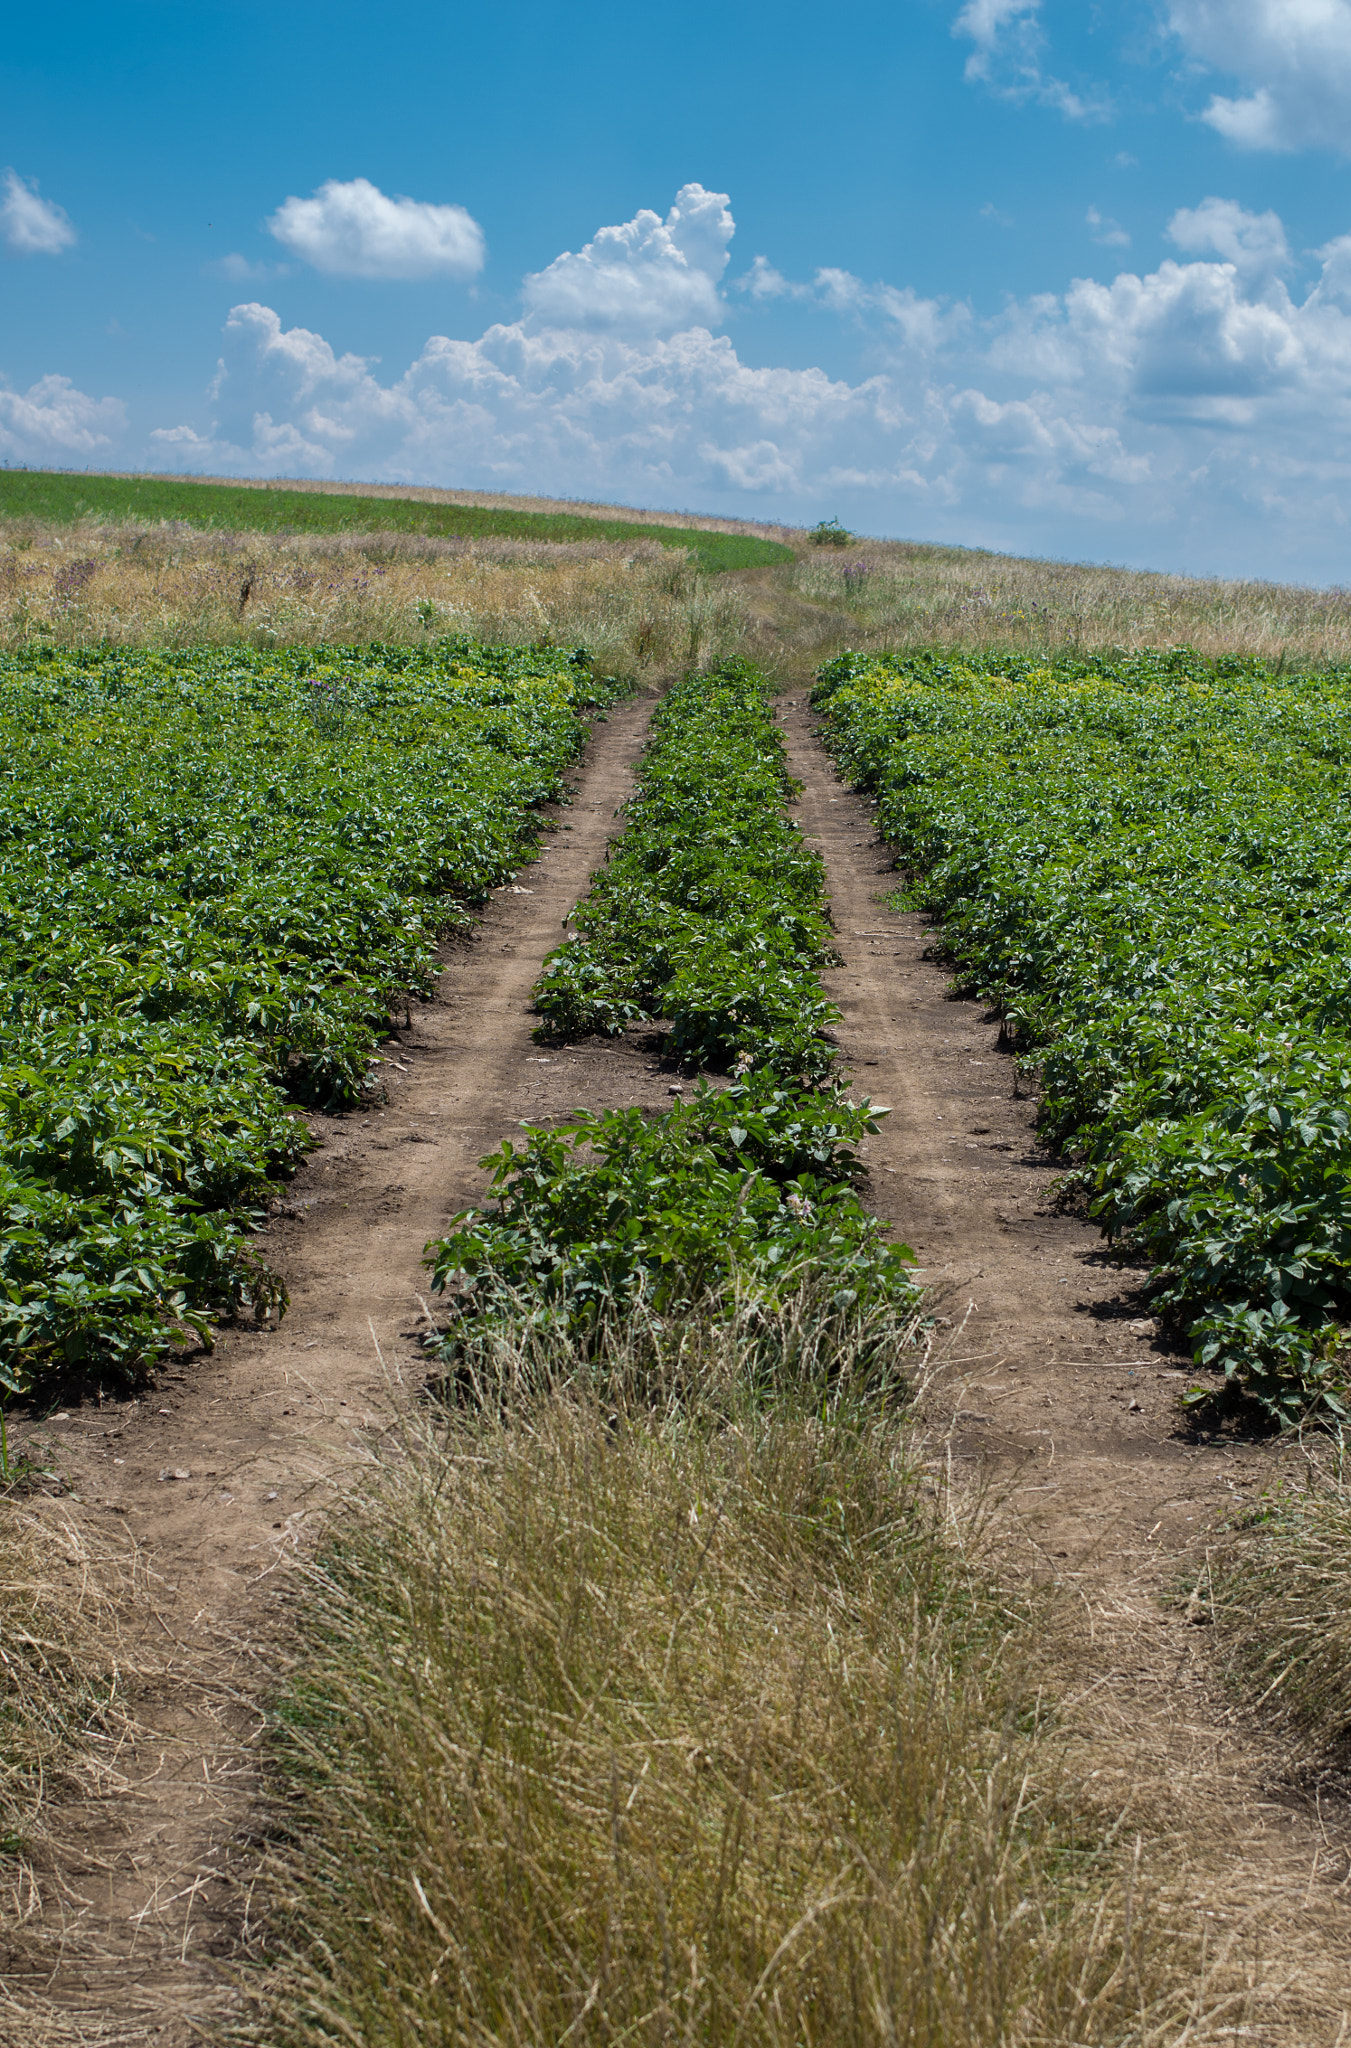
1056 1392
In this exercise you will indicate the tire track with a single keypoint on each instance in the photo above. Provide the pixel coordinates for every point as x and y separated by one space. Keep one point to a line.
219 1473
1060 1391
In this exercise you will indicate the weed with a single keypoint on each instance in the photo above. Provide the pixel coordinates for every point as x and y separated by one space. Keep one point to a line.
828 533
1280 1594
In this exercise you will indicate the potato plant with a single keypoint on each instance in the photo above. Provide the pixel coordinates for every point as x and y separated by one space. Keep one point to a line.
752 1183
709 910
218 872
1142 861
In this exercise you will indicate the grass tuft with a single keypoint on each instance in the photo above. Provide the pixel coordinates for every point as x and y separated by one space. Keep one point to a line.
702 1729
741 1343
61 1670
1280 1594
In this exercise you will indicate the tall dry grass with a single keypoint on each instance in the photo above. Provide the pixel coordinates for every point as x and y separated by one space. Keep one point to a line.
636 604
740 1346
66 1681
62 1671
1279 1592
898 594
610 1725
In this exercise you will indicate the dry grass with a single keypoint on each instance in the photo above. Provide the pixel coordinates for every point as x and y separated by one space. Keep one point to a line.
34 2022
610 1727
895 594
1279 1591
65 1680
636 604
800 1345
61 1674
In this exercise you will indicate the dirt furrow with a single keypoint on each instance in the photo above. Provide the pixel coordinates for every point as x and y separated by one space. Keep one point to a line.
1059 1391
217 1475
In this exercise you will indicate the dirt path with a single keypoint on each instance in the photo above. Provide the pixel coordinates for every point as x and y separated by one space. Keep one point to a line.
1056 1383
1059 1386
146 1896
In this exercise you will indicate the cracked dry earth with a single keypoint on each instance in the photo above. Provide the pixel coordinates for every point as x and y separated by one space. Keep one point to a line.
1054 1392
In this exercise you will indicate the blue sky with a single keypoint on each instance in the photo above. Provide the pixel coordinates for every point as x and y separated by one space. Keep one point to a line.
1072 280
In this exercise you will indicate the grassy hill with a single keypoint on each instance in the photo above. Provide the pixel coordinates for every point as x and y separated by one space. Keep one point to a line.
62 498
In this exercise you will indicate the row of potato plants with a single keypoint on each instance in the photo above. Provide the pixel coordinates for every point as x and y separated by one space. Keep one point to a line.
709 910
1142 861
218 872
709 914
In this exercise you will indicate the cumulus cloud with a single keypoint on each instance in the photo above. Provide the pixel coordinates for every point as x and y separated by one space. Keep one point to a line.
763 281
1197 415
525 407
30 224
649 276
1294 54
922 325
53 422
353 229
1007 57
1253 242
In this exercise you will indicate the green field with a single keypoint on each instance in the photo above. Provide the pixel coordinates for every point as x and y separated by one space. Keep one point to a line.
1142 862
218 873
652 1630
52 495
709 912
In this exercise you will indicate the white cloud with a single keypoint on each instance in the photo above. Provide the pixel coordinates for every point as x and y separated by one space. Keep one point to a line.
237 269
996 27
1108 233
29 224
1253 242
649 276
53 422
922 325
1294 54
1197 415
1009 41
763 281
354 230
